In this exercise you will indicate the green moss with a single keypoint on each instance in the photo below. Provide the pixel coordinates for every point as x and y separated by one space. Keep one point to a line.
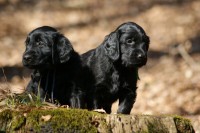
151 124
11 120
154 128
62 120
6 114
18 121
82 121
183 125
5 119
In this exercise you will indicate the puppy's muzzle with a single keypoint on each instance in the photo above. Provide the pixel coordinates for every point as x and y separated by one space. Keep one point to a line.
28 58
140 58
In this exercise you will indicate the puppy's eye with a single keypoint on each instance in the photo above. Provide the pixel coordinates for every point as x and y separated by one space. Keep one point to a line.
130 41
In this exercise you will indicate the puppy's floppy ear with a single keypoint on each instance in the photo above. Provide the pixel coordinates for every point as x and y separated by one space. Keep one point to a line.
111 46
62 49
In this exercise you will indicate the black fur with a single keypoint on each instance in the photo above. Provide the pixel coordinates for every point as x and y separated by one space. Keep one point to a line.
114 68
56 67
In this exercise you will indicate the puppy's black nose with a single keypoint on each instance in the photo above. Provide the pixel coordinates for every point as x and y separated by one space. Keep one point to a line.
139 56
27 58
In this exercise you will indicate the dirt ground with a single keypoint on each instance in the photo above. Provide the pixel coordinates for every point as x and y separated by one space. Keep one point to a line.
169 83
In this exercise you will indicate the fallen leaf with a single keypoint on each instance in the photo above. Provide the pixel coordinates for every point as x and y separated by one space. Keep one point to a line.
46 117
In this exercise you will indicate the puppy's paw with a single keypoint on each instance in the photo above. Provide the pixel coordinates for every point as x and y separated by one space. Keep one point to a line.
102 111
65 106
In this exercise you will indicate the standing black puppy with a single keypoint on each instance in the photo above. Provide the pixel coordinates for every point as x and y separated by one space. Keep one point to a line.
56 67
114 65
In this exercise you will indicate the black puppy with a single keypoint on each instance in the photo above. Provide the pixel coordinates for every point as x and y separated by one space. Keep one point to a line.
114 65
56 67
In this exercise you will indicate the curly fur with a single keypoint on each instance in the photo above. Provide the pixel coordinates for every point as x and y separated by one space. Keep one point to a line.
113 67
56 67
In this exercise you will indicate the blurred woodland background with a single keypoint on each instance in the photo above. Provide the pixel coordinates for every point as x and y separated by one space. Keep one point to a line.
169 83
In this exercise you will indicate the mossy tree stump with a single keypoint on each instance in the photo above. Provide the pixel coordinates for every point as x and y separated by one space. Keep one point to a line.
83 121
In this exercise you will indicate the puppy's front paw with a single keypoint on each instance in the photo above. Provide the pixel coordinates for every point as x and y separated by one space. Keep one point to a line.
102 111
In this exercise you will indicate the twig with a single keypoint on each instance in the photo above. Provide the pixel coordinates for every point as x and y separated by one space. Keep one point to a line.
6 80
189 60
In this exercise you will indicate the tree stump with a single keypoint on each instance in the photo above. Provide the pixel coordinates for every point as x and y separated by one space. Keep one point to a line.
82 121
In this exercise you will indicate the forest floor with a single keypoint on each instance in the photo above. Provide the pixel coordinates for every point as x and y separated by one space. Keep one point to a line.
169 83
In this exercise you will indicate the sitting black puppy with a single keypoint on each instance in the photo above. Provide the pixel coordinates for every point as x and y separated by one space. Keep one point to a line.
56 67
114 65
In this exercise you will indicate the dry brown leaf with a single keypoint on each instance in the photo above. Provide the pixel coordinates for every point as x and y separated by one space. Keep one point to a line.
46 117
